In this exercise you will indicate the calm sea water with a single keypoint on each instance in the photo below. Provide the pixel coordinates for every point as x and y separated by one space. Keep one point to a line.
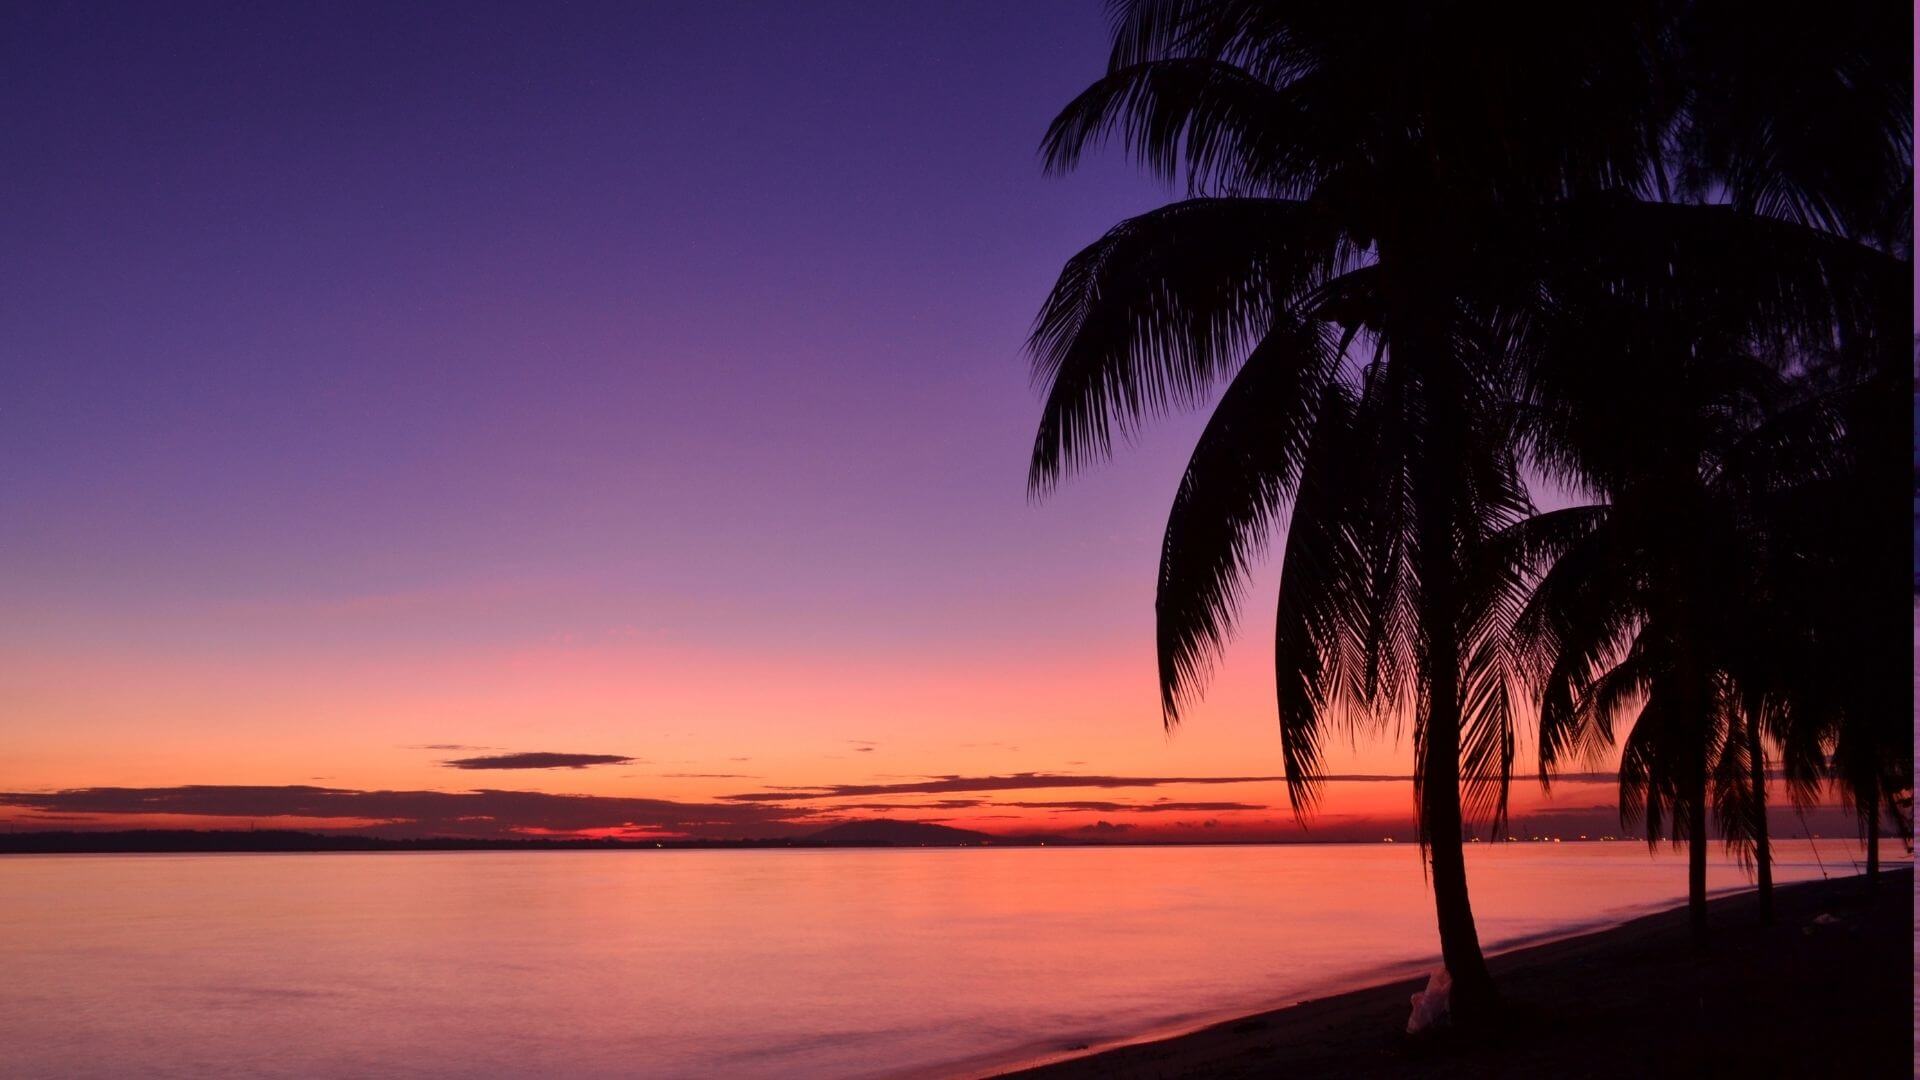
729 963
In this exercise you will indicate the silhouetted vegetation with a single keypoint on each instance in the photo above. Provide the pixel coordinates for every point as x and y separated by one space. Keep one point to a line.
1656 252
271 840
877 833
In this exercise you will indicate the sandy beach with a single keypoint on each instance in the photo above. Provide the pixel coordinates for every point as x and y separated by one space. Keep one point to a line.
1825 991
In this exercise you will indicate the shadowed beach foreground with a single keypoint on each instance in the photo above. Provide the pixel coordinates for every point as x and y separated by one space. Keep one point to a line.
1824 992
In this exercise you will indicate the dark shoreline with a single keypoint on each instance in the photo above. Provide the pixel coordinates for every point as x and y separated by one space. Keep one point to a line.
1826 991
271 841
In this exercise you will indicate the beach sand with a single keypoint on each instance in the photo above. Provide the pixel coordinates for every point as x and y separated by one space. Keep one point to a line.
1826 991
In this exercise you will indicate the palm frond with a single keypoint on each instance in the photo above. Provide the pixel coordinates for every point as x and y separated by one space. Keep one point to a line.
1224 129
1158 312
1810 120
1487 732
1245 466
1786 283
1323 582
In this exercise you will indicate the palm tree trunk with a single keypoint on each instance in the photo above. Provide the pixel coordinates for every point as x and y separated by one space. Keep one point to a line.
1472 1001
1697 844
1692 702
1762 849
1696 702
1421 342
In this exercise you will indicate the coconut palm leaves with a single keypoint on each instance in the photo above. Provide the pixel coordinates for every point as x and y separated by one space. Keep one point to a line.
1163 308
1336 271
1426 243
1686 606
1809 120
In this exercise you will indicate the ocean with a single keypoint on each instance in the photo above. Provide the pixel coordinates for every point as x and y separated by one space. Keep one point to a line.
772 963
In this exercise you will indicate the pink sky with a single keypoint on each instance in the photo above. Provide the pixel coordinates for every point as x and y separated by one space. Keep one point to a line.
621 380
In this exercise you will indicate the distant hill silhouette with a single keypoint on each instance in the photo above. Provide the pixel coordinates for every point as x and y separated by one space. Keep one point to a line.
883 833
247 840
886 832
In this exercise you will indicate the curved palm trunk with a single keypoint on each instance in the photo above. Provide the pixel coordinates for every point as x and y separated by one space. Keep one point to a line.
1437 493
1473 999
1417 288
1762 849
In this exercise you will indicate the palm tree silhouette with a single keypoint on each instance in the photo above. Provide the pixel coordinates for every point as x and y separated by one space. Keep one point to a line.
1734 587
1840 589
1811 121
1362 193
1387 202
1653 604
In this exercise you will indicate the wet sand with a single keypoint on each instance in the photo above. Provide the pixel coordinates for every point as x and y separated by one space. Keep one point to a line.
1825 991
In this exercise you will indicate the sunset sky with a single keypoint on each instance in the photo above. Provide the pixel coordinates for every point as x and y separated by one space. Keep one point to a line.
387 386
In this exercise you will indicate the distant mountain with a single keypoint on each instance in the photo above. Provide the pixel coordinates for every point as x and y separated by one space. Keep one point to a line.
882 833
247 840
885 832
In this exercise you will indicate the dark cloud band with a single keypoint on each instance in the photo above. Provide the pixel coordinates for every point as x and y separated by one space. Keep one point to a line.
941 785
484 812
1139 808
537 760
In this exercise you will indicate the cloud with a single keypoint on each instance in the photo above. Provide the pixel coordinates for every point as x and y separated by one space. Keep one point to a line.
483 812
537 760
937 804
1023 781
1147 808
940 785
710 776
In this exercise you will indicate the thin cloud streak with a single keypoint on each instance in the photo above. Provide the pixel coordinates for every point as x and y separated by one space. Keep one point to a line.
1142 808
937 804
941 785
538 760
1024 781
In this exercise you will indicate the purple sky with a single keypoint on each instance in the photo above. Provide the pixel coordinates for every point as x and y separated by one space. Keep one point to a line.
630 381
357 298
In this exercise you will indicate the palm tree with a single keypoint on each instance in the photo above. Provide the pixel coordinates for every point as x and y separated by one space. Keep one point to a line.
1718 597
1812 648
1642 605
1785 124
1843 587
1381 194
1800 119
1362 190
1811 121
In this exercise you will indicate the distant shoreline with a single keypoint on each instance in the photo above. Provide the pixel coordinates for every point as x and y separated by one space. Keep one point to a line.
1826 990
272 841
291 841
